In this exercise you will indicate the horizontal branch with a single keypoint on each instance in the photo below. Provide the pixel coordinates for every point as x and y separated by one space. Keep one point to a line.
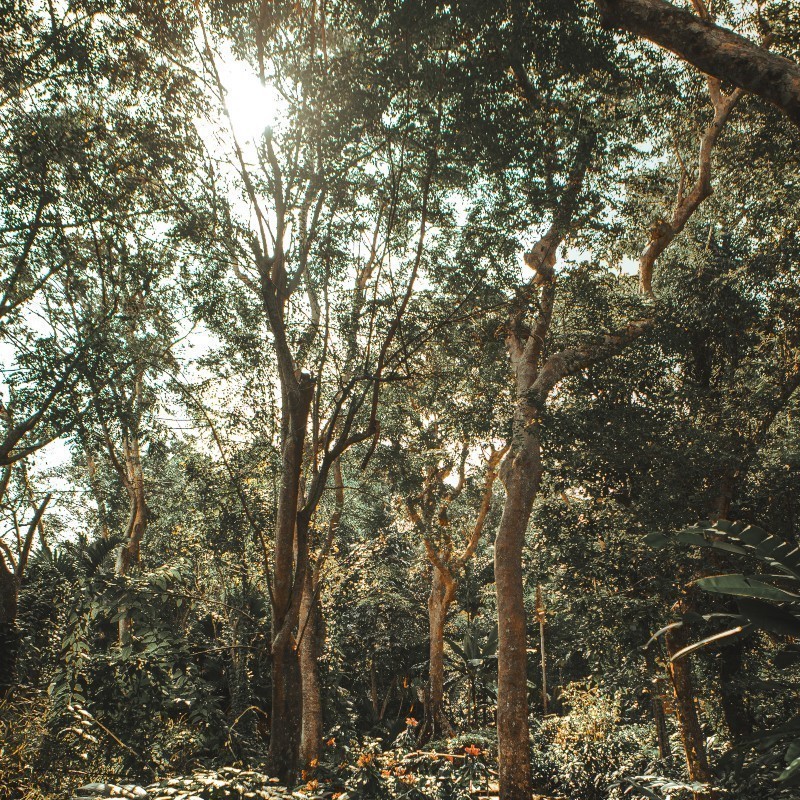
711 48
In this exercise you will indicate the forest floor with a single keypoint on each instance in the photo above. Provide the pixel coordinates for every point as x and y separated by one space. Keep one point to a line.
230 783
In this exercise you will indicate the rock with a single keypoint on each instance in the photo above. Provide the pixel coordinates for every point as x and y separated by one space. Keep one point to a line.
94 790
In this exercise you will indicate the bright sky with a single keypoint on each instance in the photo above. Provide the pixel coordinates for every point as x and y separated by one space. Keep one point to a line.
252 106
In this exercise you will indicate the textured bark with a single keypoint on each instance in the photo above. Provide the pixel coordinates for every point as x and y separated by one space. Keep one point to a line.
521 475
9 589
287 699
312 634
311 639
711 48
288 579
439 600
692 738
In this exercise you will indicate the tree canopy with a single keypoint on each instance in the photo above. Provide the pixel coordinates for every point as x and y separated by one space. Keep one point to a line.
399 399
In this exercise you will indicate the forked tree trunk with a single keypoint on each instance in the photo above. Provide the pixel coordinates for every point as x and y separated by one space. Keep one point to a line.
694 742
446 573
311 638
521 474
536 375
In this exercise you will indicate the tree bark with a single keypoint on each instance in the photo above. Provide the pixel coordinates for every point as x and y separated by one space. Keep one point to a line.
656 679
694 742
711 48
12 571
311 638
521 474
439 601
9 588
287 584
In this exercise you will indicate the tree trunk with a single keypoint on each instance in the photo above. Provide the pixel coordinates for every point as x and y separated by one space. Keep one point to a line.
439 602
711 48
291 537
137 523
11 575
287 700
311 638
521 473
732 697
694 743
9 588
657 704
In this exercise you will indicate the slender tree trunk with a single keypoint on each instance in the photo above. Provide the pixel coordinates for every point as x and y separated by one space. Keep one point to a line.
373 683
291 536
312 634
521 474
540 616
439 601
91 468
657 704
694 743
137 523
9 588
311 638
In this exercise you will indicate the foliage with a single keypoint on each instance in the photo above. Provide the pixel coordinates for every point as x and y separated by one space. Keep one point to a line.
768 602
172 275
584 753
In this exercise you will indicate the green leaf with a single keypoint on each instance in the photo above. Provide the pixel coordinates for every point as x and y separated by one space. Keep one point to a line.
657 540
791 775
746 586
770 617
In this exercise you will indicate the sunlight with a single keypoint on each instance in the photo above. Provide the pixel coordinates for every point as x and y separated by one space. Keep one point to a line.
252 105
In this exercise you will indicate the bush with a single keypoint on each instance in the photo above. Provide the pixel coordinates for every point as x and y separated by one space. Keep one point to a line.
584 753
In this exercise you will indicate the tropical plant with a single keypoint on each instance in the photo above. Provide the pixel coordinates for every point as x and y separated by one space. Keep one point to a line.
474 660
769 602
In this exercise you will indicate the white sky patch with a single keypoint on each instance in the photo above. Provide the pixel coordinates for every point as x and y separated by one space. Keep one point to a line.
629 266
253 106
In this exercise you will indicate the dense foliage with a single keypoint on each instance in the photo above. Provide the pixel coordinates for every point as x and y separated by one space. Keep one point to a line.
367 371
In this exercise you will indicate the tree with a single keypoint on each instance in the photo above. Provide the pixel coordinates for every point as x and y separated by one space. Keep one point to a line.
712 48
305 185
